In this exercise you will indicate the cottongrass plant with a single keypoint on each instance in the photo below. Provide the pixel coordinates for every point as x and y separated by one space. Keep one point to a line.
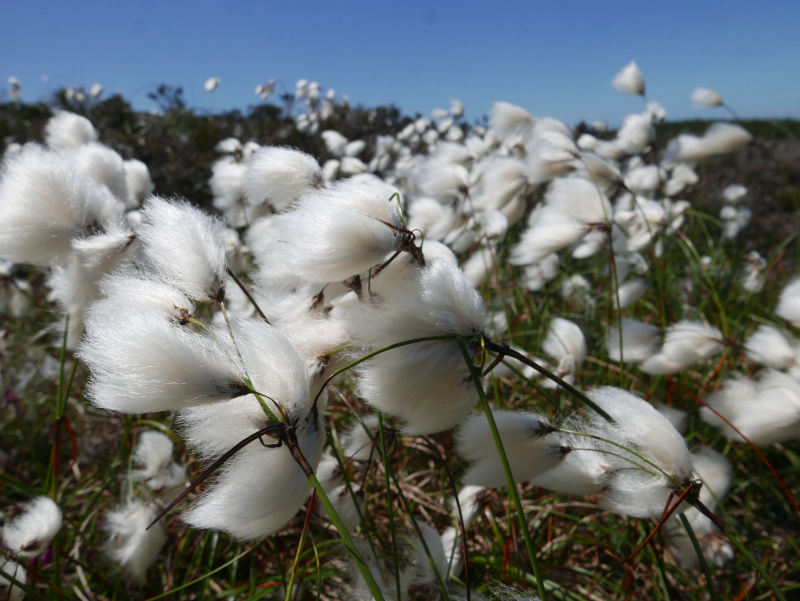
379 360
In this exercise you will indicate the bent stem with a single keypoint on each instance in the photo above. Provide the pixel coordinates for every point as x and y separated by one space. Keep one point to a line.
247 294
297 455
512 487
509 352
703 563
389 509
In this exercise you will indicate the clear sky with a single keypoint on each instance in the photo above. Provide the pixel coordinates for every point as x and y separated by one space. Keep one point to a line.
553 57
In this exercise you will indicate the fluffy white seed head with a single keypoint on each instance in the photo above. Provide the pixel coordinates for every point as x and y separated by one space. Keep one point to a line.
685 344
584 470
705 97
426 384
765 413
357 441
530 446
143 361
629 80
28 534
769 346
130 545
280 175
638 488
140 184
9 591
789 303
506 119
137 290
185 247
564 338
639 341
66 131
45 205
103 165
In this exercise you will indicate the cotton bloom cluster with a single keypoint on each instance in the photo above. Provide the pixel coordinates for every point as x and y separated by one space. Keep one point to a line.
29 533
65 208
155 467
636 460
130 545
8 590
685 343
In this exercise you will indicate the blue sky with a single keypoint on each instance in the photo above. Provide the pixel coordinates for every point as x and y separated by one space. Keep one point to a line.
554 58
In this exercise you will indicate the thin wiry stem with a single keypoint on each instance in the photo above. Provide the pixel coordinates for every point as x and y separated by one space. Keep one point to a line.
512 487
703 563
389 508
247 294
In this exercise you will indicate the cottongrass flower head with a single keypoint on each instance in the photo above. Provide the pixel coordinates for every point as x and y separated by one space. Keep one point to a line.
789 303
154 465
659 465
685 343
639 341
279 176
68 131
28 534
706 98
257 491
530 446
45 206
143 361
426 384
770 347
130 544
9 591
185 247
629 80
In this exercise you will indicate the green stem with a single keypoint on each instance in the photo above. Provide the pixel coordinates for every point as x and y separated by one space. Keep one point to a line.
247 294
345 536
743 550
389 508
378 352
299 550
498 348
703 563
512 487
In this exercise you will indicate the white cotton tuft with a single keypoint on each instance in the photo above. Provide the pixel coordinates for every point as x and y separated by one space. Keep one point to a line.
734 193
629 80
45 205
506 119
139 183
143 361
764 413
67 131
259 489
153 458
280 175
185 246
769 346
131 289
9 591
426 384
726 137
789 303
571 206
339 232
703 97
685 343
538 274
639 341
565 338
638 489
334 142
630 292
130 545
584 470
28 534
530 447
103 165
636 133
